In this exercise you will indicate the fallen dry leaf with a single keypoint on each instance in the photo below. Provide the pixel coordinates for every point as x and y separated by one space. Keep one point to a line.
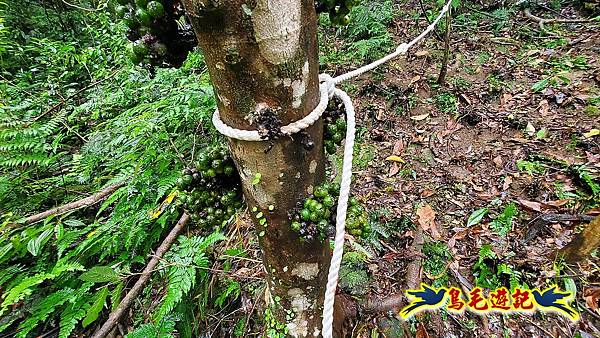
498 161
394 158
557 203
592 133
592 297
544 107
426 193
535 206
421 331
398 147
507 182
427 221
394 169
419 117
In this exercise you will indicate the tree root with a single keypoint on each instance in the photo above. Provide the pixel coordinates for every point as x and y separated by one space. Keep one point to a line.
396 301
115 316
542 22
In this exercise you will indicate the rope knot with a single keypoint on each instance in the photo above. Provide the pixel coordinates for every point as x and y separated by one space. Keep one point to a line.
327 81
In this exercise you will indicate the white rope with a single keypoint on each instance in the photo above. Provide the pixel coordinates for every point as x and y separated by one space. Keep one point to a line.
327 89
340 219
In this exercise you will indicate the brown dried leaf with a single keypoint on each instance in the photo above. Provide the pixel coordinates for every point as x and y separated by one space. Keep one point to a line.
427 221
426 193
544 107
394 169
592 297
507 182
535 206
498 161
398 147
557 203
421 331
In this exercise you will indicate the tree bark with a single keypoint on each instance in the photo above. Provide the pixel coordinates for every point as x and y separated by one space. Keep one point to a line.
263 62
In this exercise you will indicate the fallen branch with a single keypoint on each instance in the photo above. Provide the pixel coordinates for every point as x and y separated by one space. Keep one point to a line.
90 200
115 316
541 21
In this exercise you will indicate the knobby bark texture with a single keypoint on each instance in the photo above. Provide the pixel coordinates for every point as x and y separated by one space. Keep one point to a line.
263 63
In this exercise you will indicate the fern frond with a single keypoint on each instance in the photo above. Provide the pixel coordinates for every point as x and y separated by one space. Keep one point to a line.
189 263
43 309
162 330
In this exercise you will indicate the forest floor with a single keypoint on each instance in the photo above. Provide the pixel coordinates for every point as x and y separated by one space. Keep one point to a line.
496 170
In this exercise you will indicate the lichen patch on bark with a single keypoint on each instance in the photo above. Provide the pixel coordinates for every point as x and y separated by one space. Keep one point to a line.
276 26
306 271
298 326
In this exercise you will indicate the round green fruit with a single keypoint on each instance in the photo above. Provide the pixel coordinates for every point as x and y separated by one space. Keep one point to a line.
332 128
216 164
337 138
305 214
341 124
296 226
330 148
130 21
155 9
322 225
141 3
210 173
344 21
320 192
315 216
328 201
228 170
143 17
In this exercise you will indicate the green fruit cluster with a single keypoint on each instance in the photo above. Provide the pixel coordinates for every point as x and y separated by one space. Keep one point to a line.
210 189
338 10
314 218
156 37
334 126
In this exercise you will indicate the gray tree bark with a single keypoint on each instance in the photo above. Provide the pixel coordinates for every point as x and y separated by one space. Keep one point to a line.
263 63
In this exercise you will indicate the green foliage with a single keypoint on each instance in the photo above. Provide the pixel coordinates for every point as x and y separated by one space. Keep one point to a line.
353 276
76 116
366 37
187 263
476 216
438 256
491 275
446 102
164 329
531 167
502 225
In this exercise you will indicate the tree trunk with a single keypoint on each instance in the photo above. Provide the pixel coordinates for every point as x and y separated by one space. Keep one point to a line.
263 63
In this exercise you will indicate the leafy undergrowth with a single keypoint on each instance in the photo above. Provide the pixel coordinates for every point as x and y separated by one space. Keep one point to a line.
499 166
480 164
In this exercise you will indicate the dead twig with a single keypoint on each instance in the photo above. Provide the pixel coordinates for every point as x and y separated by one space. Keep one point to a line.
85 202
115 316
542 22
